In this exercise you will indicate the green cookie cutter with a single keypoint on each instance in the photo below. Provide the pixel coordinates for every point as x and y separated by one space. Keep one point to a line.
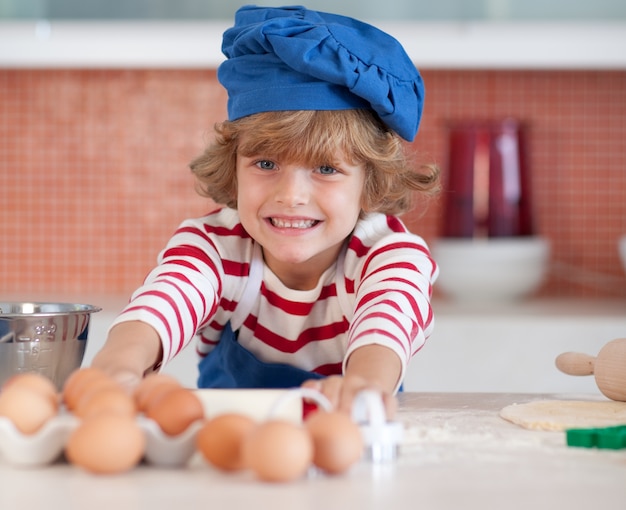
610 438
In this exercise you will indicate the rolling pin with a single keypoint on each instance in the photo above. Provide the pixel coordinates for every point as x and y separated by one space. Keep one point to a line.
608 368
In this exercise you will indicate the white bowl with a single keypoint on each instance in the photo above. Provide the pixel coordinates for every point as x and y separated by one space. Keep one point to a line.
621 246
491 270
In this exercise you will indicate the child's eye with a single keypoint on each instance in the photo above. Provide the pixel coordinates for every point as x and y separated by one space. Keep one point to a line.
265 164
327 170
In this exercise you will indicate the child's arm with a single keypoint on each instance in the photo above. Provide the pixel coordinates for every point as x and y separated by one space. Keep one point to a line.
131 349
377 364
164 314
392 319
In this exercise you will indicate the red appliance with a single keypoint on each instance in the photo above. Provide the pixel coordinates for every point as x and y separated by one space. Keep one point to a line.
488 183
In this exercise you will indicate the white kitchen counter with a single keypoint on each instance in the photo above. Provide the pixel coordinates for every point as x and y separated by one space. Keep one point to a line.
458 454
512 347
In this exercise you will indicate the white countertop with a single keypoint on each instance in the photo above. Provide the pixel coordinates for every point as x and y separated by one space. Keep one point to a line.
435 45
458 453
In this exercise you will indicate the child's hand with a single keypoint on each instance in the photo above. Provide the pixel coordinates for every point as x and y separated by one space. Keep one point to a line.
131 349
371 367
341 391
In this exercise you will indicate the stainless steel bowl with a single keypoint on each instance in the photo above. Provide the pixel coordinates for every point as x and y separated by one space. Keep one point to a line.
49 338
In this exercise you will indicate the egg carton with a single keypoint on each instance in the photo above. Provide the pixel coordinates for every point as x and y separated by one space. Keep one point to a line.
47 444
381 438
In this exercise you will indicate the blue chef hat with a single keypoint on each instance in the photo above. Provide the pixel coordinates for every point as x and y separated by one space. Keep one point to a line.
292 58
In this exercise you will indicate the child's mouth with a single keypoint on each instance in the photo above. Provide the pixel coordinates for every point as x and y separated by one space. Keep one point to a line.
295 223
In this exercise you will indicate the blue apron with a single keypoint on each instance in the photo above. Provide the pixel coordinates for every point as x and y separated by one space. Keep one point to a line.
230 365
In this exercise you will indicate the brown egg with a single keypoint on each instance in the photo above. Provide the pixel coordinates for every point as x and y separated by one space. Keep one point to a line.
27 408
143 390
176 410
106 444
151 388
37 382
220 440
77 382
278 451
108 399
156 394
337 441
92 387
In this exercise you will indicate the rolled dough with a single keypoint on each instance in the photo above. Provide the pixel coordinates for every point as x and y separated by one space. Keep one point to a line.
565 414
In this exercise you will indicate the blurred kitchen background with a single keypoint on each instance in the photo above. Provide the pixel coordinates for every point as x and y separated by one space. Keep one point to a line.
103 104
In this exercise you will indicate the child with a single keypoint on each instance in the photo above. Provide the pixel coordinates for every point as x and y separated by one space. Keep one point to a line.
305 276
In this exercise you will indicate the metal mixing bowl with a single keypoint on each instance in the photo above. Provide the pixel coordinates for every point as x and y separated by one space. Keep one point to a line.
49 338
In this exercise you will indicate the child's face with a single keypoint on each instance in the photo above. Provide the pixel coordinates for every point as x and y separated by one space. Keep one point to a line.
299 215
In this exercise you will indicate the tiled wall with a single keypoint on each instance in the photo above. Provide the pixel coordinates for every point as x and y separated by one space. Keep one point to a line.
94 177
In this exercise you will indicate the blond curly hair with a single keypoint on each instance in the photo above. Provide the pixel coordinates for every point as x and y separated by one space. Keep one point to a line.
313 138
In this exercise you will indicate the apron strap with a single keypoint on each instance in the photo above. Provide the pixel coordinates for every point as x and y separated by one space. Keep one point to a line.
345 304
250 291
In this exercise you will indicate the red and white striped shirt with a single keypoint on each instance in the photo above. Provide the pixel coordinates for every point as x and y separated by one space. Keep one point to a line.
378 292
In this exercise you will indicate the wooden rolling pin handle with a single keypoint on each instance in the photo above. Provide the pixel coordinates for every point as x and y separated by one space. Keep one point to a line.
576 363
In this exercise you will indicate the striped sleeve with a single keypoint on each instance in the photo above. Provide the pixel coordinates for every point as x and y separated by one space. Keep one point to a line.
183 291
393 287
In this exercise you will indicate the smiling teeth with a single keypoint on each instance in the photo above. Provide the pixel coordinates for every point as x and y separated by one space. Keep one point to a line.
281 223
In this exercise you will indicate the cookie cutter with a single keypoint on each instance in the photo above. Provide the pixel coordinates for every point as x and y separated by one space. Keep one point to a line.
608 438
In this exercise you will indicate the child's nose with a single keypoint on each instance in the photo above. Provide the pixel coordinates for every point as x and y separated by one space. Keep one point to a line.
292 188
